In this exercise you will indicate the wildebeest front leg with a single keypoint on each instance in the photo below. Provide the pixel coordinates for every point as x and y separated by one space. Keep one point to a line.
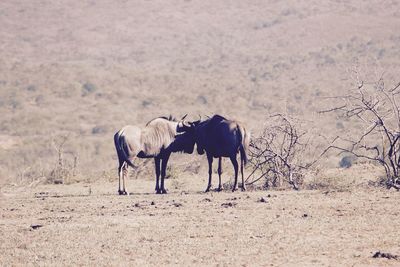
210 161
219 174
157 168
241 170
124 172
120 175
235 166
119 178
164 163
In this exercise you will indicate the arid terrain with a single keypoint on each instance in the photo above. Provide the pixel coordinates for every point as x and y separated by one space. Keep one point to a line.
85 224
74 72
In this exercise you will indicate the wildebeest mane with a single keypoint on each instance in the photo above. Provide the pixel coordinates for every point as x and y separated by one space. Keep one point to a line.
170 118
159 133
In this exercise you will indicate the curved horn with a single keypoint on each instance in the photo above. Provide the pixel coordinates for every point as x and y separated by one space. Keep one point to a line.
199 117
184 117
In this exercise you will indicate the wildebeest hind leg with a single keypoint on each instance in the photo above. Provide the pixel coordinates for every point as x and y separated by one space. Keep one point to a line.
119 177
210 161
121 163
236 167
157 168
241 170
219 174
164 163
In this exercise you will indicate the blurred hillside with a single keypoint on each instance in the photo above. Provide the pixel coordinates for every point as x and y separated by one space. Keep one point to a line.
86 68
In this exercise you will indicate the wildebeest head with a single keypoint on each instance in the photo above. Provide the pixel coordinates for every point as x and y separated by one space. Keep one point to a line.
185 139
183 126
200 135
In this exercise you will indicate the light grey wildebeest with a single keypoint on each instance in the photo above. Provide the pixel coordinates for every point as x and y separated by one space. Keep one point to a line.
219 137
157 140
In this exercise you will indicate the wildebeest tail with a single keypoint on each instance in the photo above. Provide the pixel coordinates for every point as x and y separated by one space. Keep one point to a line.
244 144
121 147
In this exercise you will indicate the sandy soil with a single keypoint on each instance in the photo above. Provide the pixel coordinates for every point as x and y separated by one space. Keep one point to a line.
84 224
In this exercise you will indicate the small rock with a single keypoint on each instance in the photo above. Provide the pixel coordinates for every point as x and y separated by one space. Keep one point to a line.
36 226
228 204
389 256
262 199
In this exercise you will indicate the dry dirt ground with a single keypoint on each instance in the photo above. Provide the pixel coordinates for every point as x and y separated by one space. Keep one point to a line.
84 224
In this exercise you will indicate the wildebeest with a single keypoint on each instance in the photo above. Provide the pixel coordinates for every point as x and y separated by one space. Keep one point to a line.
157 140
219 137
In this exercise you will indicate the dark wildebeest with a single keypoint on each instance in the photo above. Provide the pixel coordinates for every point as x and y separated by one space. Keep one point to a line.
219 137
157 140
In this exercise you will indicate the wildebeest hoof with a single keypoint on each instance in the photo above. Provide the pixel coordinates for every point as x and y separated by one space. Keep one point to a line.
163 191
120 192
219 189
208 188
243 188
158 191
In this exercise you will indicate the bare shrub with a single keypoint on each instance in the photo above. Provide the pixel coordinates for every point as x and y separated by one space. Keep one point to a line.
347 161
99 129
31 175
172 172
280 153
65 167
374 108
143 169
88 88
31 88
147 102
201 99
